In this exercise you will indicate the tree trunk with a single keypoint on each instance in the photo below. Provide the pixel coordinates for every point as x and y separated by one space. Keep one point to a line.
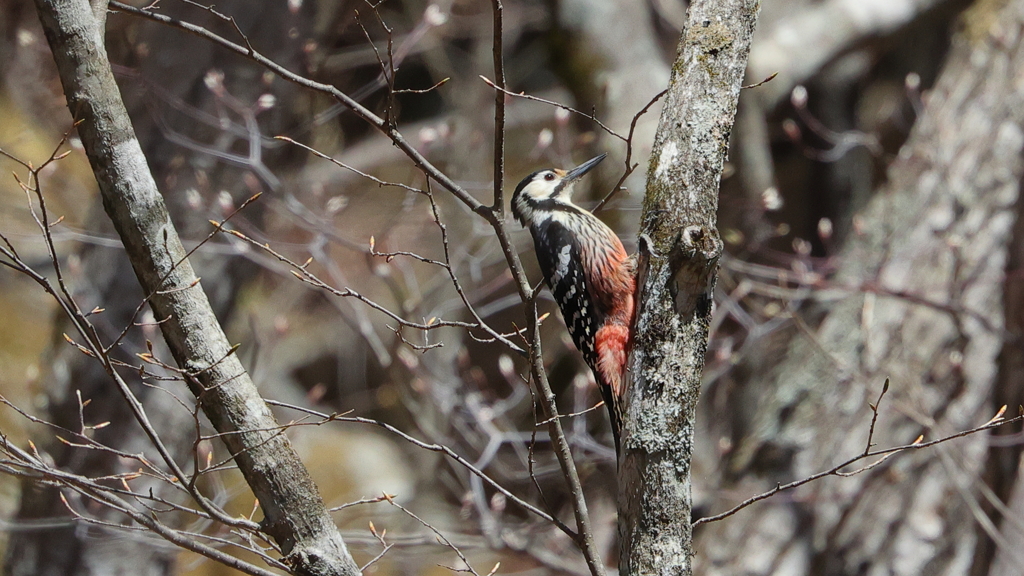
294 513
916 299
678 261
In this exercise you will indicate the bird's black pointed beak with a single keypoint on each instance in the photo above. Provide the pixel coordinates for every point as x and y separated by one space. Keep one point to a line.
578 172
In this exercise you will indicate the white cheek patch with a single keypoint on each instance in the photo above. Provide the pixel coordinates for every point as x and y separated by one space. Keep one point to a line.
541 189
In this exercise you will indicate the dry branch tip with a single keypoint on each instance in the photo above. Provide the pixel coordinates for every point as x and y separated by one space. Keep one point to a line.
762 82
998 416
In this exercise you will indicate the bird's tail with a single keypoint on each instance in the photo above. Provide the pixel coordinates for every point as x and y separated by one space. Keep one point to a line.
614 412
612 345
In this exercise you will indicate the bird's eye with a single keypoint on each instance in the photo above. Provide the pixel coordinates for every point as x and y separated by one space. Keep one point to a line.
549 176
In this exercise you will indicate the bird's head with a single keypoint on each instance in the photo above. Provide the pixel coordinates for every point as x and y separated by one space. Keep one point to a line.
545 190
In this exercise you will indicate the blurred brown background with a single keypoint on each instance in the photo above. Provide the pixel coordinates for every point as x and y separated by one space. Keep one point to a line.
824 294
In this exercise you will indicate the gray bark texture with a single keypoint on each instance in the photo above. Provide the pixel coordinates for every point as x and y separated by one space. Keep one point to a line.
294 513
917 299
679 253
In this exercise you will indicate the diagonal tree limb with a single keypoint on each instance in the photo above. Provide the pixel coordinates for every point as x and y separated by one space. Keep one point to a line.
294 511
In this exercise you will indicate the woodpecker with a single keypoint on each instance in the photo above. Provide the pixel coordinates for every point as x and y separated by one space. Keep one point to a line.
589 274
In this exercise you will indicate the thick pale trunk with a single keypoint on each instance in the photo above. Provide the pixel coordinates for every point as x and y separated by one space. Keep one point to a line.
294 512
679 252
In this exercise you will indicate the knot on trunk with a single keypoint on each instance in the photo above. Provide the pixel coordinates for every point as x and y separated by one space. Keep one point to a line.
693 263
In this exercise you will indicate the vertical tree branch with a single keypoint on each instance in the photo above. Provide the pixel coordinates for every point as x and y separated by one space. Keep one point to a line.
294 512
499 113
584 527
679 252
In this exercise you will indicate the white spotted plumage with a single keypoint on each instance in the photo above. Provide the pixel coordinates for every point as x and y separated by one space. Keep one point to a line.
588 271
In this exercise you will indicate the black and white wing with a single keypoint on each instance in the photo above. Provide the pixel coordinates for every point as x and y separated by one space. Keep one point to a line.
558 253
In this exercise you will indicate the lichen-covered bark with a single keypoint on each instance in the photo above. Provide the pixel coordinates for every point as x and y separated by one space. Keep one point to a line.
294 512
679 248
917 299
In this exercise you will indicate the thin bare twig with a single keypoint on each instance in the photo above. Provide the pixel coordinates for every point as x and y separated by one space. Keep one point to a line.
361 111
380 538
441 537
592 117
436 448
874 416
93 341
836 470
571 414
630 166
762 82
499 110
34 467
